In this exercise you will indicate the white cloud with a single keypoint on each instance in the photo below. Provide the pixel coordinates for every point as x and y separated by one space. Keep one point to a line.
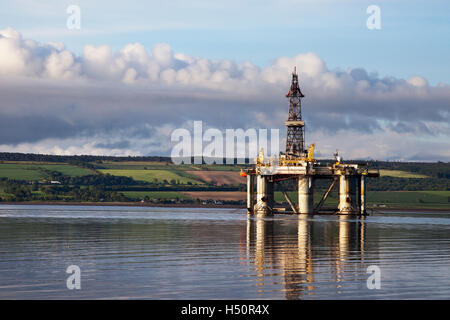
50 93
418 81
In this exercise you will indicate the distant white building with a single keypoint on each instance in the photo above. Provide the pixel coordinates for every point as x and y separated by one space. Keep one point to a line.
55 182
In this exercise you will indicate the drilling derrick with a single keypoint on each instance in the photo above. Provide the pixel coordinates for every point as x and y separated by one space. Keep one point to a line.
295 140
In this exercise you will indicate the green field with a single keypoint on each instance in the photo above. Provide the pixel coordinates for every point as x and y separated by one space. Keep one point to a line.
405 199
140 195
331 201
150 175
35 171
401 174
21 172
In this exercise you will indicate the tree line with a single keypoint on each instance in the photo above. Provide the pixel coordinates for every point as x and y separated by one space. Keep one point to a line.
14 156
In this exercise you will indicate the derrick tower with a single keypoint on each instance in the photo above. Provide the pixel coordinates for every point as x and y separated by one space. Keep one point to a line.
295 140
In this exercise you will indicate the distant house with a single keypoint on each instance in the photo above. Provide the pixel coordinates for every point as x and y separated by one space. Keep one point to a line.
55 182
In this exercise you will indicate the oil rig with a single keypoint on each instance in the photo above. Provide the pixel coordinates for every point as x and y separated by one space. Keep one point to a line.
298 163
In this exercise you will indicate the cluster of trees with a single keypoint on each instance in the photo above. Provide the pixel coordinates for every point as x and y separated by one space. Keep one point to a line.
82 164
92 180
90 193
16 191
21 191
407 184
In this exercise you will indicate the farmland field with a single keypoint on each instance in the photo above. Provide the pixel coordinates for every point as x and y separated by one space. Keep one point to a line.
21 172
220 177
438 199
279 197
150 175
34 171
401 174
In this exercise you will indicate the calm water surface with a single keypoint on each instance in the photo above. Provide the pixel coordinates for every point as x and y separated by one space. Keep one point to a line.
186 253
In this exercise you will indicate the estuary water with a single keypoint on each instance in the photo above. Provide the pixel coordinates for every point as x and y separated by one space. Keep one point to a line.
189 253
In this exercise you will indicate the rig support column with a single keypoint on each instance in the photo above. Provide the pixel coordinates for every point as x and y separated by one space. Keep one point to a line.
250 193
305 194
347 195
363 194
264 197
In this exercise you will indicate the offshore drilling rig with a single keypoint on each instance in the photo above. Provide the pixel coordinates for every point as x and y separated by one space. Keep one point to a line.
297 163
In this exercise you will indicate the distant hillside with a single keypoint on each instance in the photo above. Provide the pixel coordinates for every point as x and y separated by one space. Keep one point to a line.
35 177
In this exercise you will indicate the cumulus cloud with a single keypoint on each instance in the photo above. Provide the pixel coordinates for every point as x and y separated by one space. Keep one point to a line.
110 102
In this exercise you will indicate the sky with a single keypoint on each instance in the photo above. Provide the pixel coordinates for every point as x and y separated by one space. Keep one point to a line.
135 71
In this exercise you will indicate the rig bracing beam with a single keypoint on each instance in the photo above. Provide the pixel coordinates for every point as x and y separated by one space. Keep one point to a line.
325 196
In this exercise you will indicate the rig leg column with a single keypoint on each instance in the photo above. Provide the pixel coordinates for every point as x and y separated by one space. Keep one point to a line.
250 193
347 195
363 195
264 197
305 194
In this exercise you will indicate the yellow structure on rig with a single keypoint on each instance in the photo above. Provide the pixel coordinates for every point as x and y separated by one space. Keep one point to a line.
298 160
310 157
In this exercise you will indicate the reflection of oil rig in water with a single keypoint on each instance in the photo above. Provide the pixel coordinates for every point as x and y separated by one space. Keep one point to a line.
299 164
304 263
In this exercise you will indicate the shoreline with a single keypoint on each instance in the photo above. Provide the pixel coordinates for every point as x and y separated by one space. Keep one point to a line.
187 205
